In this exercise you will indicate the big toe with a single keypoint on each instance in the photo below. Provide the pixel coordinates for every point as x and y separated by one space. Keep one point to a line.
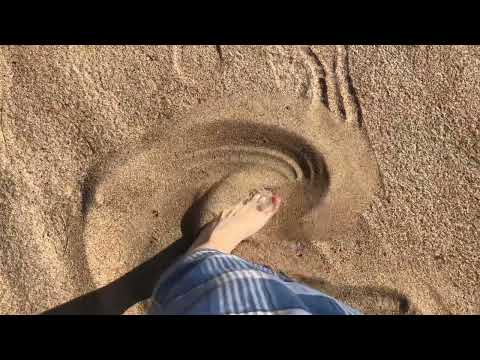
267 202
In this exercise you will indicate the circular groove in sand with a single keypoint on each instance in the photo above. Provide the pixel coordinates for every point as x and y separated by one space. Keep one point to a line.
270 158
323 171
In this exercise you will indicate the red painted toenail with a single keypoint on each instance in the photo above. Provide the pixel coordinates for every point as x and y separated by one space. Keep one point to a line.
276 199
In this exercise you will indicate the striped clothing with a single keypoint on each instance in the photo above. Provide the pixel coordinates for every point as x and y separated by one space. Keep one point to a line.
209 282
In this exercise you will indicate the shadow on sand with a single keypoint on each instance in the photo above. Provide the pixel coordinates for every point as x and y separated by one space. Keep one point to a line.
136 285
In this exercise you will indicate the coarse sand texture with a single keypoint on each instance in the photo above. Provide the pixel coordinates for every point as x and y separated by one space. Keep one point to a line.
373 149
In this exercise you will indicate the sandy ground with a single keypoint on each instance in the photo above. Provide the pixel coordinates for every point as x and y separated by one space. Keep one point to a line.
375 149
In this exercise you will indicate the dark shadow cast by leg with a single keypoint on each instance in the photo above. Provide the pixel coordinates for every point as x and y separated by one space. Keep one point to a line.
137 285
133 287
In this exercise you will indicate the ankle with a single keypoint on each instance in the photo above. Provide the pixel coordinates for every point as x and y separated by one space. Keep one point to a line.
216 244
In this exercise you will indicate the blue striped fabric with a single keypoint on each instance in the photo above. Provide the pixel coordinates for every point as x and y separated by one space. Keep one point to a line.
209 282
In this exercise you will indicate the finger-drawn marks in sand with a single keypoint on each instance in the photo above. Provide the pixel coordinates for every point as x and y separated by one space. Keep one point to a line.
331 81
121 225
290 72
5 151
219 50
5 72
244 143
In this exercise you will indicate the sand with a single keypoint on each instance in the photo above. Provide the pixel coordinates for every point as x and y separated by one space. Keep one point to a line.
106 152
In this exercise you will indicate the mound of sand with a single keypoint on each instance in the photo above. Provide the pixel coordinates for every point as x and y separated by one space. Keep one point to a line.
107 152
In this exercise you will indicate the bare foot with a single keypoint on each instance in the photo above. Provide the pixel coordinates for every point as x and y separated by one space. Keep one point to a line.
238 222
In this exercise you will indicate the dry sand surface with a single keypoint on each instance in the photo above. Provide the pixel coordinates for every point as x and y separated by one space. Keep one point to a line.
107 151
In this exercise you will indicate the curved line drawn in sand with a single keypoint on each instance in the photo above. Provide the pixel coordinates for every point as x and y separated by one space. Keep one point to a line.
5 71
5 151
213 156
290 72
317 74
219 50
336 90
274 70
349 101
176 55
